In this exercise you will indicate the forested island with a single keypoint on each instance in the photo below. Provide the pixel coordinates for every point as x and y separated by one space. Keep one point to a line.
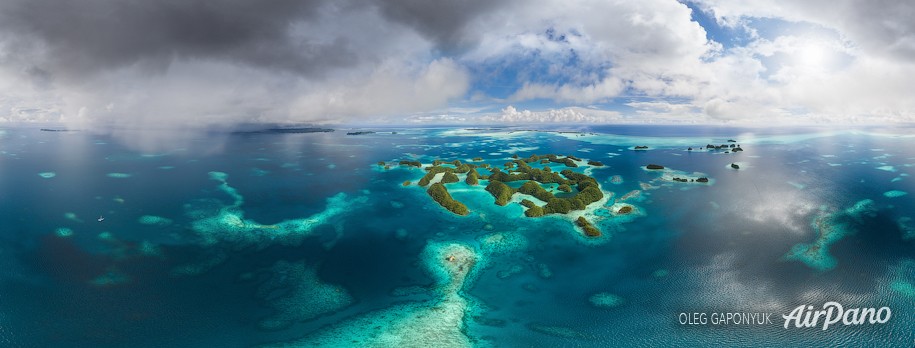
577 190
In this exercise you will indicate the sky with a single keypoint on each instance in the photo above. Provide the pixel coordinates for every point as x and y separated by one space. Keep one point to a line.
196 63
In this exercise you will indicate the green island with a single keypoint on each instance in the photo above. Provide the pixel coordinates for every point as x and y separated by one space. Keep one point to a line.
577 190
586 226
440 194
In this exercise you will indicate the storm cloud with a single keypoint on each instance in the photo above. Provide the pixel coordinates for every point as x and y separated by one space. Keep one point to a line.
84 37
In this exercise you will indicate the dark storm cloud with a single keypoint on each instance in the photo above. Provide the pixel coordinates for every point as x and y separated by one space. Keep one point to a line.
85 36
88 35
444 22
886 23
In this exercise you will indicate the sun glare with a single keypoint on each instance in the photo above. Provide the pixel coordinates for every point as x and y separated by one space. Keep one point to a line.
811 56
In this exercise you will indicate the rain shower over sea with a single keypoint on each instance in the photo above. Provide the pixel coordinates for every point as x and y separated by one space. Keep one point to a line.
444 237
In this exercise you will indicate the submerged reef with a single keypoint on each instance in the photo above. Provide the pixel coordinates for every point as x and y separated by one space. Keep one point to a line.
154 220
215 221
830 228
438 322
894 194
606 300
63 232
296 293
907 227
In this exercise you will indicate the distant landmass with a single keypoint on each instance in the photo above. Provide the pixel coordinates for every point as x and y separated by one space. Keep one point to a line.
287 130
55 130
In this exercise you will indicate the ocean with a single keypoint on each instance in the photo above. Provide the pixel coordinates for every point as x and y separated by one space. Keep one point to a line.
305 239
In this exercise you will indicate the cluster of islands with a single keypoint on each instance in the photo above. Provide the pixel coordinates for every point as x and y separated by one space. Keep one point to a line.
546 192
577 190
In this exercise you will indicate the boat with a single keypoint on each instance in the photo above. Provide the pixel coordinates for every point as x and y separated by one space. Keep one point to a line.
101 218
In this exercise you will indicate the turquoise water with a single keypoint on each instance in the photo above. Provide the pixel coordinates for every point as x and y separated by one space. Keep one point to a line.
303 239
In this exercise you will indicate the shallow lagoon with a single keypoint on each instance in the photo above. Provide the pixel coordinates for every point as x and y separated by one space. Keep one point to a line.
221 248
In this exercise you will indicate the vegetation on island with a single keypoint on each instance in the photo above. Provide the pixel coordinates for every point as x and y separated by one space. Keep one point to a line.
586 226
588 188
583 189
416 164
462 167
430 174
440 194
472 177
569 161
557 206
534 211
534 189
449 177
500 191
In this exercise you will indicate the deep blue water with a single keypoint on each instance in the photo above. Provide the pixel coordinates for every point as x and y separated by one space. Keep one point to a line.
69 280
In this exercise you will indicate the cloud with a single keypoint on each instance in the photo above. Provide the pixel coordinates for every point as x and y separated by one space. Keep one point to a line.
390 90
883 27
449 24
81 37
571 115
192 63
597 49
600 91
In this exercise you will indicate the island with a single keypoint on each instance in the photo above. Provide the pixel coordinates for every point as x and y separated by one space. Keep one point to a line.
416 164
360 133
586 226
55 130
440 194
285 130
577 190
299 130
